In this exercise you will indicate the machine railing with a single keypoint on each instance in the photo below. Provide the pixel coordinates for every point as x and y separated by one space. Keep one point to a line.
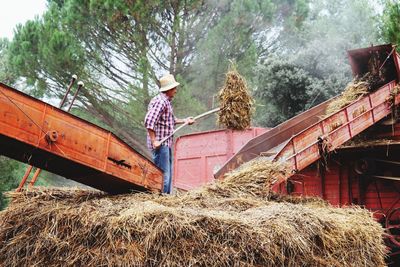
329 133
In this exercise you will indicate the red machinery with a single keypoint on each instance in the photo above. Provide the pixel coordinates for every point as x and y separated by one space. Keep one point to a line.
298 140
49 138
312 144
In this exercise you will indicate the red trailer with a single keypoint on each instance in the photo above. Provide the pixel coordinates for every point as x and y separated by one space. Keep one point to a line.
197 156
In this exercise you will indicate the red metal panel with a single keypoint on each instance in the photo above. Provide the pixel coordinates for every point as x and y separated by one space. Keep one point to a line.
309 136
205 152
81 151
78 141
392 132
336 189
380 195
332 186
212 163
360 123
306 157
239 138
334 121
287 151
190 172
378 98
308 182
359 59
343 176
209 143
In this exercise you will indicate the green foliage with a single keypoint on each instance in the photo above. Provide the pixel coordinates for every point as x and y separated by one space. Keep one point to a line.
311 65
45 54
184 107
6 75
120 48
390 28
10 175
285 90
240 35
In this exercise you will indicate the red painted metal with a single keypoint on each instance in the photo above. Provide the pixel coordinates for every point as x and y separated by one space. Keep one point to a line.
25 177
359 61
302 150
54 134
376 187
342 181
80 151
198 155
34 177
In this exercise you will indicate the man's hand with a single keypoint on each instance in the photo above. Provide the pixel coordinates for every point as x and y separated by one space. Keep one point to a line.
189 120
156 144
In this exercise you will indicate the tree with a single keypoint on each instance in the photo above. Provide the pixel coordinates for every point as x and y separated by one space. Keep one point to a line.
6 75
9 171
314 63
287 90
242 34
390 27
119 48
332 28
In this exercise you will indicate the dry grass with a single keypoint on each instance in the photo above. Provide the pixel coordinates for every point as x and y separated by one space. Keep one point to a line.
364 143
234 222
235 102
352 92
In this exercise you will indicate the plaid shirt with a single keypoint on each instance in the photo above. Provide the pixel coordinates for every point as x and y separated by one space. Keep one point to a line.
160 118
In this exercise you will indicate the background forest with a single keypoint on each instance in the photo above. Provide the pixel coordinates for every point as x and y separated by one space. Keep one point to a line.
291 52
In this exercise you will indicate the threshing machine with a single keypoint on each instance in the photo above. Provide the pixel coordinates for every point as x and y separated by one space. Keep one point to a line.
327 159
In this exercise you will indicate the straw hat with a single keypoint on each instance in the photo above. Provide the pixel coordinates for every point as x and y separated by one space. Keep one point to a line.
167 82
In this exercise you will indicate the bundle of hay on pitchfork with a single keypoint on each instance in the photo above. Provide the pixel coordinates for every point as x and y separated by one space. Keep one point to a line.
236 104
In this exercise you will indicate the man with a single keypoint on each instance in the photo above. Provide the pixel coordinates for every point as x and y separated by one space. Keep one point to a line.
160 122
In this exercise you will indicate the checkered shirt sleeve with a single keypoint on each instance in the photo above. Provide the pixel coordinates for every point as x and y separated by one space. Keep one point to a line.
160 119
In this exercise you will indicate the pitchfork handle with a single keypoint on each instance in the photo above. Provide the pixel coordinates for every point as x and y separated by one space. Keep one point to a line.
195 118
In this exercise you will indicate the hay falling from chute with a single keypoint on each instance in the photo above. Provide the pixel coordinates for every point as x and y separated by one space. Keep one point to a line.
236 102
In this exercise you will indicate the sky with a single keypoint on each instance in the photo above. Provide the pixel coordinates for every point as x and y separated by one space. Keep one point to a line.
14 12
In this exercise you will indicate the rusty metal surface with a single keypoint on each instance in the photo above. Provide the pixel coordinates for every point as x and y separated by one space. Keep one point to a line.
74 148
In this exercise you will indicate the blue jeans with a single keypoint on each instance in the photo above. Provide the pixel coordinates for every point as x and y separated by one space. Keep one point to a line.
162 157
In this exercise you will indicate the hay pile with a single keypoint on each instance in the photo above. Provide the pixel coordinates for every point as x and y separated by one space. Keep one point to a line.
218 225
235 102
352 92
